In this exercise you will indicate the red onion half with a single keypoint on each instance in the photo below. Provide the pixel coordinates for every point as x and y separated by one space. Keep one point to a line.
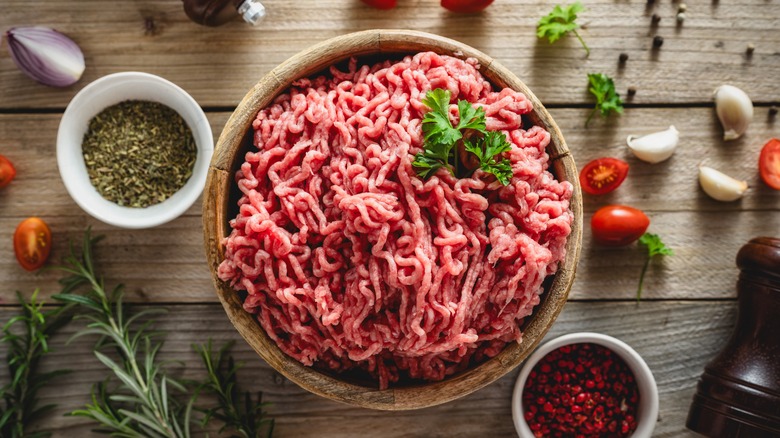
46 55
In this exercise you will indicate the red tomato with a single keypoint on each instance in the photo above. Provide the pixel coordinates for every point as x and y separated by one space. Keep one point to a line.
618 225
7 171
32 243
603 175
769 163
466 6
381 4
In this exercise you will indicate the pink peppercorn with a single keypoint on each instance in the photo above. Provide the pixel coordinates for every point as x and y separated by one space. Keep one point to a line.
582 390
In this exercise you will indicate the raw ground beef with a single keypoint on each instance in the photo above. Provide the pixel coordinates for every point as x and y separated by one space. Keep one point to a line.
351 260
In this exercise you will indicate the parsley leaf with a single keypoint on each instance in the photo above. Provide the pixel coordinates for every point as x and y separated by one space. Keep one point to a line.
441 138
559 22
607 99
436 123
487 149
654 248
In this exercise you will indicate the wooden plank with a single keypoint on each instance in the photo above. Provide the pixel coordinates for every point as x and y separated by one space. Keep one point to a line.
167 263
29 140
676 339
219 65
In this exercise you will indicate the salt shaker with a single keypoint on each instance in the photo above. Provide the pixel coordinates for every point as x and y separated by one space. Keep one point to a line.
739 393
218 12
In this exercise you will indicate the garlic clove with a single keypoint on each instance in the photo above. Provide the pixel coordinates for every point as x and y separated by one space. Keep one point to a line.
720 186
655 147
46 55
734 109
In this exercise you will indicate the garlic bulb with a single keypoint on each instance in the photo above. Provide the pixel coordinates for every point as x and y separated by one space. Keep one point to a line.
655 147
46 55
720 186
735 110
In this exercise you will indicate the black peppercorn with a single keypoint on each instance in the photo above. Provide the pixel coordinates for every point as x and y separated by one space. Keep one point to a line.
623 58
656 18
750 49
772 111
658 41
631 91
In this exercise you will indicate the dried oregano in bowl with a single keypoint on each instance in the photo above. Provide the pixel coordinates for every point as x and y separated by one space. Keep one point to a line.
138 153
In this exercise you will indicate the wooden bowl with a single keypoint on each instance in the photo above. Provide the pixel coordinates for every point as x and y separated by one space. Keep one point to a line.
220 199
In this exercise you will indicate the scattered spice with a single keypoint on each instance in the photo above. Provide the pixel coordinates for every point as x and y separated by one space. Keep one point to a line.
750 49
583 390
682 7
138 153
655 19
772 111
680 17
658 41
623 58
631 91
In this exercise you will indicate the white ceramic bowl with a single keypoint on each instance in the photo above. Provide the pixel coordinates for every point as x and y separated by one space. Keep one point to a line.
110 90
647 412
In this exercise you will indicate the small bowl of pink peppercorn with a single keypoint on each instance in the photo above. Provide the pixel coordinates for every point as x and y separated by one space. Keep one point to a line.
585 385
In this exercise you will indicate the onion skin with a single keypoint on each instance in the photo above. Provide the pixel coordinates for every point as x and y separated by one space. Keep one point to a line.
45 55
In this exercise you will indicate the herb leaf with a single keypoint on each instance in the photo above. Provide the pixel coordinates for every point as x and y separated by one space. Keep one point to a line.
559 22
654 248
25 349
436 123
607 99
441 137
492 144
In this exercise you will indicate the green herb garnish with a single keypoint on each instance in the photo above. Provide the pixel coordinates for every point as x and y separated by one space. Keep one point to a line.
559 22
493 143
441 137
143 400
607 99
654 248
243 418
26 347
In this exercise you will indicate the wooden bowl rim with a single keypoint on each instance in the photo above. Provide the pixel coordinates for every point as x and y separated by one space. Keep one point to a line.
215 222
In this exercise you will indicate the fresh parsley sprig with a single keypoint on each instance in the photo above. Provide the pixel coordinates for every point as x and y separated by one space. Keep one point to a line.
561 21
441 138
607 99
654 248
493 144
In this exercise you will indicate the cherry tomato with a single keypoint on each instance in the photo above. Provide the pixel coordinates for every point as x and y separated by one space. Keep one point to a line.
466 6
618 225
603 175
381 4
32 243
769 163
7 171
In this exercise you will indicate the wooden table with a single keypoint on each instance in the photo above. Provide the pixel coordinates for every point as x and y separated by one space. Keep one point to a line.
688 307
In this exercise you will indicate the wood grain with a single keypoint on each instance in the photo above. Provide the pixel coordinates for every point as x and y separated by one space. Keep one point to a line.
168 263
218 65
684 337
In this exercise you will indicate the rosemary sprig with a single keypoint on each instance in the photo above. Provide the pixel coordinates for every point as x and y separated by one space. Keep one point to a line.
147 402
144 403
26 347
245 420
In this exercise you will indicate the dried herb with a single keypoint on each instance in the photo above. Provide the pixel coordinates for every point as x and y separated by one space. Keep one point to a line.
138 153
26 348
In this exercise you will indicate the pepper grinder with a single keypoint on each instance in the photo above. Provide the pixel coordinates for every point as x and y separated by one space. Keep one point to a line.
739 393
219 12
